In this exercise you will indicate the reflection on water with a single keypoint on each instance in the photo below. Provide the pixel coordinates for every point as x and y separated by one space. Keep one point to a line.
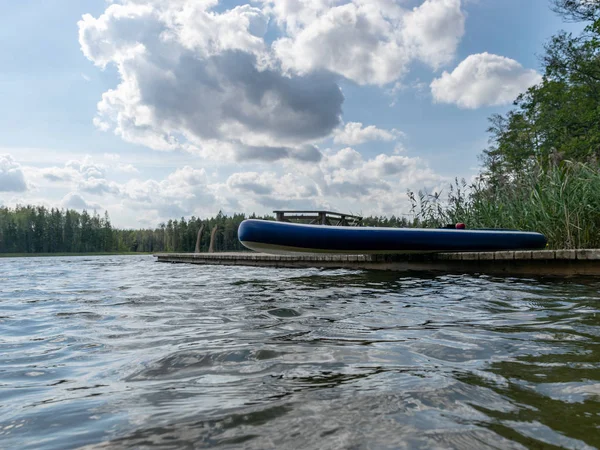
123 352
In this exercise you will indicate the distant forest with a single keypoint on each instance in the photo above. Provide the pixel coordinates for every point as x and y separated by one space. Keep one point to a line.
36 229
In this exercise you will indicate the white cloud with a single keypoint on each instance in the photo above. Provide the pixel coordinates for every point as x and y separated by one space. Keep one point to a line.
259 184
377 185
483 80
84 175
127 168
11 175
98 186
182 193
75 201
193 78
87 168
433 31
293 15
210 82
354 133
367 41
346 158
272 190
241 28
342 180
59 174
384 173
305 153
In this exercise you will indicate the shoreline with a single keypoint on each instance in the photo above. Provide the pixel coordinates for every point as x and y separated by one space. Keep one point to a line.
57 254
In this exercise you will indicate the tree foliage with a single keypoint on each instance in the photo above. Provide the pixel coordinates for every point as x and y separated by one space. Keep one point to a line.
560 117
35 229
30 229
577 10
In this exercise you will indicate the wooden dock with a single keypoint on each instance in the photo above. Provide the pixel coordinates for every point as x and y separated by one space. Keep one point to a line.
517 263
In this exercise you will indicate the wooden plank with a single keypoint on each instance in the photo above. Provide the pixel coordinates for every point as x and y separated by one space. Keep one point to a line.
547 262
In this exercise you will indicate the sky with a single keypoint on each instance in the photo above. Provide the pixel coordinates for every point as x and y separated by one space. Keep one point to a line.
162 109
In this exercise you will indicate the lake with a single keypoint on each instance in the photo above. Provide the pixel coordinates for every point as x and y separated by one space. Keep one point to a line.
123 352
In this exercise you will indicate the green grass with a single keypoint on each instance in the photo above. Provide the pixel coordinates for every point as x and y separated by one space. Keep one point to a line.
36 255
562 201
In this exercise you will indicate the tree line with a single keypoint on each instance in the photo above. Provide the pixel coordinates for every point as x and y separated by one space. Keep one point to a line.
36 229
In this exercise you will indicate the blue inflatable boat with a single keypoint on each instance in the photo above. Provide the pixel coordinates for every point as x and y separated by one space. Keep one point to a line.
282 237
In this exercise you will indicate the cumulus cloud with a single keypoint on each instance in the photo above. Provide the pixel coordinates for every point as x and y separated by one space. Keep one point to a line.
75 201
354 133
127 168
306 153
376 185
367 41
84 175
11 175
483 79
59 174
181 193
190 76
342 179
98 186
210 81
433 31
258 184
346 158
269 189
213 81
87 168
383 173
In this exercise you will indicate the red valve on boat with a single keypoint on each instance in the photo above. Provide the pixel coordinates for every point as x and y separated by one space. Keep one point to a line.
460 226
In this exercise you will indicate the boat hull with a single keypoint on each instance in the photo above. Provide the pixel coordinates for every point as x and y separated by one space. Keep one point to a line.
288 238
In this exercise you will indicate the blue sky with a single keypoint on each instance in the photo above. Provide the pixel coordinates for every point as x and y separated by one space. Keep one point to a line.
251 107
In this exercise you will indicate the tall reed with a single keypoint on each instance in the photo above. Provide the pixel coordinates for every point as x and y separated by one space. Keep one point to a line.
561 200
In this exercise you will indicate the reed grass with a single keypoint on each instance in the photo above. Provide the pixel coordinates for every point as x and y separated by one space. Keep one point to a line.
560 200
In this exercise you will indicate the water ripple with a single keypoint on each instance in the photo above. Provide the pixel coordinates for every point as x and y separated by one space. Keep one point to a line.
122 352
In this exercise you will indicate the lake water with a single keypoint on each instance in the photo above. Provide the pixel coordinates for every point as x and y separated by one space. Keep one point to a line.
123 352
